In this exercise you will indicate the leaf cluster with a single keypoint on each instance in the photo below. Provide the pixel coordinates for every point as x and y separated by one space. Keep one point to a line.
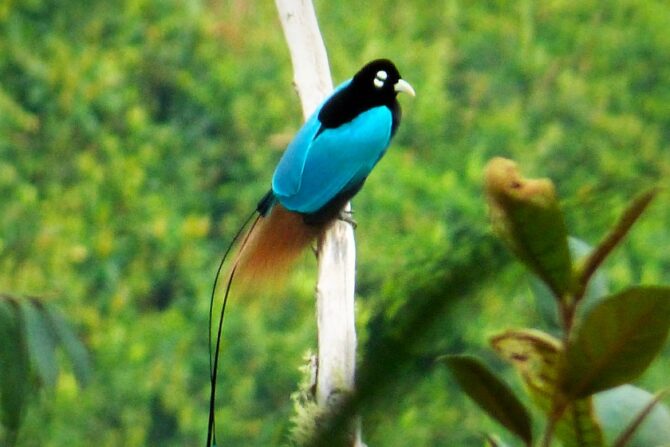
605 346
32 331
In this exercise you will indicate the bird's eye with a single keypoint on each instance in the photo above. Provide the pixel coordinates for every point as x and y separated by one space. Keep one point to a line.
380 77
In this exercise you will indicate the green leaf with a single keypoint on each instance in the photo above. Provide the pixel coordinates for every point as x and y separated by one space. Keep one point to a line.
618 409
537 357
491 394
526 214
617 340
74 348
41 343
14 366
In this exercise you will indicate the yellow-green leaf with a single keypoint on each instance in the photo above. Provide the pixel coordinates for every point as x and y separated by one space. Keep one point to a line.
526 214
537 358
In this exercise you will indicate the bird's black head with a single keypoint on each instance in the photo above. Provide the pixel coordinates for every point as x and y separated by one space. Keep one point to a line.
376 84
381 82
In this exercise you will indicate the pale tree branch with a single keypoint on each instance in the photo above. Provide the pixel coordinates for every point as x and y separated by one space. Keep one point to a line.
336 250
311 73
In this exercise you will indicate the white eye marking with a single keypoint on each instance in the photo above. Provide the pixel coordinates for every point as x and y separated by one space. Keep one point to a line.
380 77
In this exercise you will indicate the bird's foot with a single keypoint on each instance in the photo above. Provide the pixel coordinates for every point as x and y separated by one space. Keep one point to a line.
347 216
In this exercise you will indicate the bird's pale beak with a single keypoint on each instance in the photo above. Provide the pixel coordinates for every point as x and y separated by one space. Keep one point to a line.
404 86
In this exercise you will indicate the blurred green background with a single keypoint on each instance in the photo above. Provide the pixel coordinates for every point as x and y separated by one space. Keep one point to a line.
136 135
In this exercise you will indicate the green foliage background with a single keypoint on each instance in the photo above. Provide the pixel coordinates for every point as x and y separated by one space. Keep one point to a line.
136 135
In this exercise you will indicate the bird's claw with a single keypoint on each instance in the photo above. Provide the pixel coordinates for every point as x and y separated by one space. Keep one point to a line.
346 216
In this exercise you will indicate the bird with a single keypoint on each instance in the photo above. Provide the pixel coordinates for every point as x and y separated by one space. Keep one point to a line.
322 168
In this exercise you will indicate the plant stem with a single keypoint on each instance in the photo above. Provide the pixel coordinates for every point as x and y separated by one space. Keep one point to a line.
559 407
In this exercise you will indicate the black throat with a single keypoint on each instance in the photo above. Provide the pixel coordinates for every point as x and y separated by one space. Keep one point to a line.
350 102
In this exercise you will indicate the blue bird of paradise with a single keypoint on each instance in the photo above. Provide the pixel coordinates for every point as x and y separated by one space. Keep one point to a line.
323 167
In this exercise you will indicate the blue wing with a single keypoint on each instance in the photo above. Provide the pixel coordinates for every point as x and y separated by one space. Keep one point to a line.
314 169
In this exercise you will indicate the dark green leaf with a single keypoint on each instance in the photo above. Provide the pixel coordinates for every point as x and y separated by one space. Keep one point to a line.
613 238
617 340
618 410
491 394
41 343
14 366
74 348
526 214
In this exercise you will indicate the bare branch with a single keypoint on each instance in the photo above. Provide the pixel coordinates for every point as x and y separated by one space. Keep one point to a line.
308 52
337 249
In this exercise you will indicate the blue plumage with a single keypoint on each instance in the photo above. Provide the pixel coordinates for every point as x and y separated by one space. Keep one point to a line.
323 167
316 168
339 145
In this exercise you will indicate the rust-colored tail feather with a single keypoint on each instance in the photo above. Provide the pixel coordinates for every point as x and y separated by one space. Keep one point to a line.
273 244
266 253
